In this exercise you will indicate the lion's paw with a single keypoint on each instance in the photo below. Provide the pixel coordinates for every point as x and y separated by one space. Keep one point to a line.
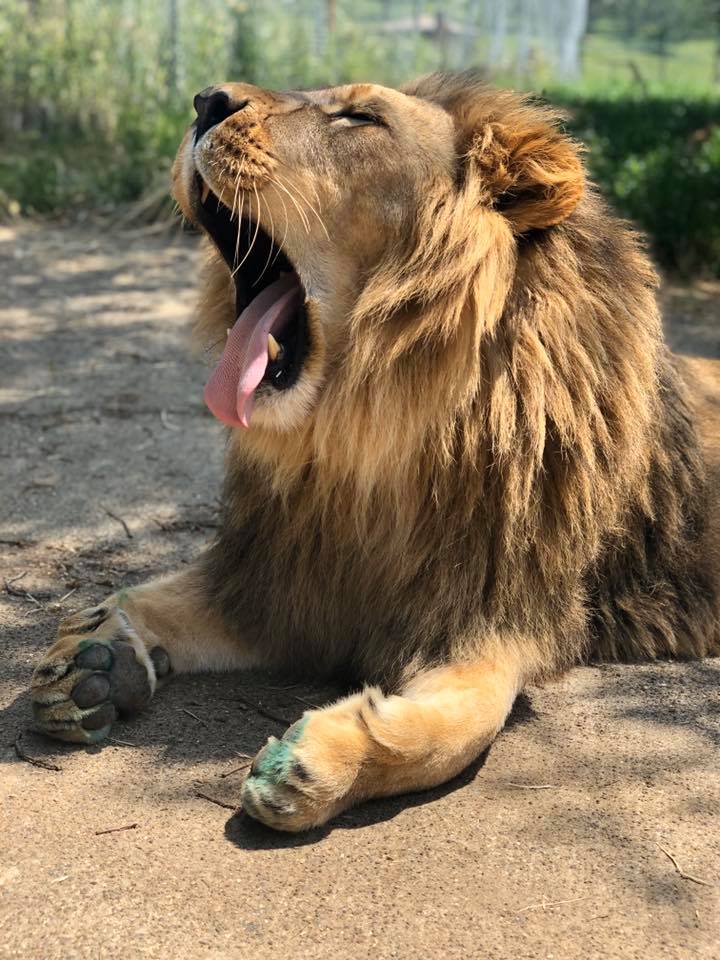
313 773
99 669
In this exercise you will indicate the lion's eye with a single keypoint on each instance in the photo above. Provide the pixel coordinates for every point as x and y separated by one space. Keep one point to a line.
350 117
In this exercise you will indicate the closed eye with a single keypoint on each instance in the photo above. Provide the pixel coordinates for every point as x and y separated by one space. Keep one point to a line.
350 117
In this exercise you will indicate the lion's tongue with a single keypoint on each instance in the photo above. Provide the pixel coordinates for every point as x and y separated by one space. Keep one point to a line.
230 390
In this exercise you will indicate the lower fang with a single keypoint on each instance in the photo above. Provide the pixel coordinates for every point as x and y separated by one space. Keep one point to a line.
273 347
204 193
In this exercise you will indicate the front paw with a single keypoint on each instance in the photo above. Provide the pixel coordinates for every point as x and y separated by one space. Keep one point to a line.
98 670
313 773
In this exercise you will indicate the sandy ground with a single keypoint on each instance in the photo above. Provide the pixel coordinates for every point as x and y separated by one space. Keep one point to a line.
551 847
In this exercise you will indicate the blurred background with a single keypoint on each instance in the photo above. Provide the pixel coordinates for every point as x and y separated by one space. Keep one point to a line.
96 93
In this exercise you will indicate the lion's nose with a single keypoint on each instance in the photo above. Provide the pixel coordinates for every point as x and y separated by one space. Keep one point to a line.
212 107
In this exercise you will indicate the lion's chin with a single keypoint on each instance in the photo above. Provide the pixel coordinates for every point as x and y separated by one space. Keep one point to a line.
268 344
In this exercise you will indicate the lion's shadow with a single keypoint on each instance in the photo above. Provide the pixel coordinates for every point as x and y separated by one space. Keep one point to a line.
248 834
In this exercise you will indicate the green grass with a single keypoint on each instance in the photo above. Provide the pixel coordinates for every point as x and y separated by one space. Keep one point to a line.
687 71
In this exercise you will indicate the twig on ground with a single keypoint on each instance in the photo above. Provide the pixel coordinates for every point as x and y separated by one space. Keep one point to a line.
129 826
194 716
681 872
126 528
13 591
9 583
307 703
275 717
530 786
243 766
64 597
123 743
165 420
35 761
219 803
544 904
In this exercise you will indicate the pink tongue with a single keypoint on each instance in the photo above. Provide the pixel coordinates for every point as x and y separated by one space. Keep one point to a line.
230 390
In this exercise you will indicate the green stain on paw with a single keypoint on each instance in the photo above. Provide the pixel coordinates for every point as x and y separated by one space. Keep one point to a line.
84 644
275 761
294 733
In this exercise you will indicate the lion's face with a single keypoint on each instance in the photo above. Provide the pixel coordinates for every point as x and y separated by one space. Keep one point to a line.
310 197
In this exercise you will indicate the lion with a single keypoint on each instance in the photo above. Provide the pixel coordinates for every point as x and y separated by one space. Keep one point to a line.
460 457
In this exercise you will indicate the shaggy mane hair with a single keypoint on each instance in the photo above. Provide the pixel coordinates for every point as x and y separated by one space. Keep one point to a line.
502 454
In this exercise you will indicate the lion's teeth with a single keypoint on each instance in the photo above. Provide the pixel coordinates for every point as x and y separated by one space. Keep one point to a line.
273 348
205 192
227 332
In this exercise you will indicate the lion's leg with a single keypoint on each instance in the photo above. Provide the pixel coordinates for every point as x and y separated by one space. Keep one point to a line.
109 659
371 745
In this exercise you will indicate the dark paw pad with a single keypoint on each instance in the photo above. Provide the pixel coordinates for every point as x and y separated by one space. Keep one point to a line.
104 716
91 691
93 656
130 684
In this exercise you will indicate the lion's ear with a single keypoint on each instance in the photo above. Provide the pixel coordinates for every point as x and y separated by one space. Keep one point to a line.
529 171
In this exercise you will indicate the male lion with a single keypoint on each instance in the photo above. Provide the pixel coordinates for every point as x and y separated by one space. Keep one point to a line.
470 462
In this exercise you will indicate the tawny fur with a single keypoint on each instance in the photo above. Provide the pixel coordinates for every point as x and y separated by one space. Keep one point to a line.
503 447
487 471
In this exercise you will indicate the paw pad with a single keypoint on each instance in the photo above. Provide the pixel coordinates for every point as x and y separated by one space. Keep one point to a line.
79 693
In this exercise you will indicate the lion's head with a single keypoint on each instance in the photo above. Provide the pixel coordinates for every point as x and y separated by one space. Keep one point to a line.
389 213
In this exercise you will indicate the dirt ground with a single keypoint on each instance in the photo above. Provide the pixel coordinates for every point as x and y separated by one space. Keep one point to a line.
558 844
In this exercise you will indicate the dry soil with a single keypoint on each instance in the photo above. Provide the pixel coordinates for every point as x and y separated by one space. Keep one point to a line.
558 844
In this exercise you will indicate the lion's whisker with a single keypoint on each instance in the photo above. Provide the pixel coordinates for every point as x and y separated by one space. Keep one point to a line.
287 224
303 215
257 230
309 205
239 228
272 241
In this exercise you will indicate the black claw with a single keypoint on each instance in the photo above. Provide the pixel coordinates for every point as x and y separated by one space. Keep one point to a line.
161 661
300 771
372 703
102 717
95 657
279 809
91 691
250 807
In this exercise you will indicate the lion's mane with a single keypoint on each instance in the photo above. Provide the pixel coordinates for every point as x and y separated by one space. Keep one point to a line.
502 454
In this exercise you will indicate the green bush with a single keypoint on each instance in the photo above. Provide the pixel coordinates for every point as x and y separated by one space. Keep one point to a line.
658 162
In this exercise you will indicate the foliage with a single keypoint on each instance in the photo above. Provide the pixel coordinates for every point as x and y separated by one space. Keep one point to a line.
658 161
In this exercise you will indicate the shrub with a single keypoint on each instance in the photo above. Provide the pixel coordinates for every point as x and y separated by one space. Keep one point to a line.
658 162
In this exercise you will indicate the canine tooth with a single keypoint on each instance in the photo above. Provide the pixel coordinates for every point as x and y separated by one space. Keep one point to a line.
227 332
274 348
205 192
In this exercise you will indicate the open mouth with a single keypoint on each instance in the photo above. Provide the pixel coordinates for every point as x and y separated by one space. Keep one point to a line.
268 343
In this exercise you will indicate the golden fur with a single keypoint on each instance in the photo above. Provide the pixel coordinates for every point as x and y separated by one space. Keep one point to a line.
510 420
488 470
